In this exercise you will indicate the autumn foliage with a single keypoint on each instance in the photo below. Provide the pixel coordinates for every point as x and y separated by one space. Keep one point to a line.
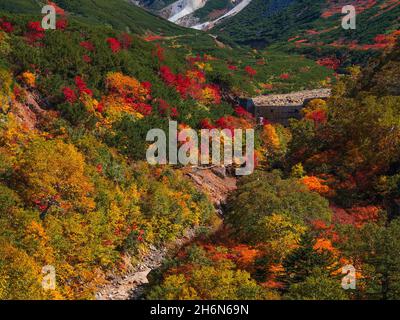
315 184
192 84
76 192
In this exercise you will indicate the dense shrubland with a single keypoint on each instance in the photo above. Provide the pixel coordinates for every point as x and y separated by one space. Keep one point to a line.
333 201
313 28
75 192
76 104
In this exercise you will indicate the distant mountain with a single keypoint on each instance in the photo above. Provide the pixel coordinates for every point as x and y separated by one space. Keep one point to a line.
198 14
152 5
119 14
311 23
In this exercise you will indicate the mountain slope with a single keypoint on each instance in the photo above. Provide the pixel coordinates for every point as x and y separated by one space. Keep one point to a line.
76 104
265 22
182 8
118 14
199 14
227 13
77 194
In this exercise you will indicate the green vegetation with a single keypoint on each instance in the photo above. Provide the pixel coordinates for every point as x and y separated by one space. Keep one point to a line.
117 14
75 193
203 13
280 227
155 5
260 23
252 209
311 27
206 274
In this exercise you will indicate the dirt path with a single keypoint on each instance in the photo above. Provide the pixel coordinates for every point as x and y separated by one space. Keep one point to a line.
131 285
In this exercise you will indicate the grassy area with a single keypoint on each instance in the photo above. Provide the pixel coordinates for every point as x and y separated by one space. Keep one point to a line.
270 66
210 6
183 42
156 4
311 27
118 14
260 23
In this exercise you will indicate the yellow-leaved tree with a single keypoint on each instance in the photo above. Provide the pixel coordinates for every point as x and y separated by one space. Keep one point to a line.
52 173
5 90
20 275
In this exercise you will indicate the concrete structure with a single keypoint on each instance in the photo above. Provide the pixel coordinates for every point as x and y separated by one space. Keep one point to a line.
282 107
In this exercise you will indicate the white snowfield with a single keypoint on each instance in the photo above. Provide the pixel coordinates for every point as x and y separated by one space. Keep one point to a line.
235 10
182 8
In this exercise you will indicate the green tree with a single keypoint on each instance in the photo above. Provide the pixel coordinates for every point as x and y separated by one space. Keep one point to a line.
376 247
301 262
264 194
53 172
317 286
210 283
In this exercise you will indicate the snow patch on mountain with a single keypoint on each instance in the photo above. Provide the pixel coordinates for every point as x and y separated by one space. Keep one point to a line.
182 8
183 12
230 13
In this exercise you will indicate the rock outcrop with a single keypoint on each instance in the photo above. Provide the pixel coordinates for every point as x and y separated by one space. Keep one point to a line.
293 98
216 184
29 112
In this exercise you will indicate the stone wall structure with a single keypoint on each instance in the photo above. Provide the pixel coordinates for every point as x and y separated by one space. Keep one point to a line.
280 108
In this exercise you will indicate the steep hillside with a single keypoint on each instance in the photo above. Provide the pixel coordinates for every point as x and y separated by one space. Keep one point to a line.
210 17
198 14
314 25
181 8
249 72
78 196
315 21
118 14
153 5
283 239
76 104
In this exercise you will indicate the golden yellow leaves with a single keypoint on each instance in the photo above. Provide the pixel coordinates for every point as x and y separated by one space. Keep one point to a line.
20 275
284 234
29 79
54 172
313 105
4 45
125 95
270 139
5 90
126 86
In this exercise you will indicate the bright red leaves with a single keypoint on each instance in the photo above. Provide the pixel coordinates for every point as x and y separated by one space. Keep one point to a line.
71 95
82 88
114 45
192 84
6 26
250 71
330 62
284 76
87 45
35 32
